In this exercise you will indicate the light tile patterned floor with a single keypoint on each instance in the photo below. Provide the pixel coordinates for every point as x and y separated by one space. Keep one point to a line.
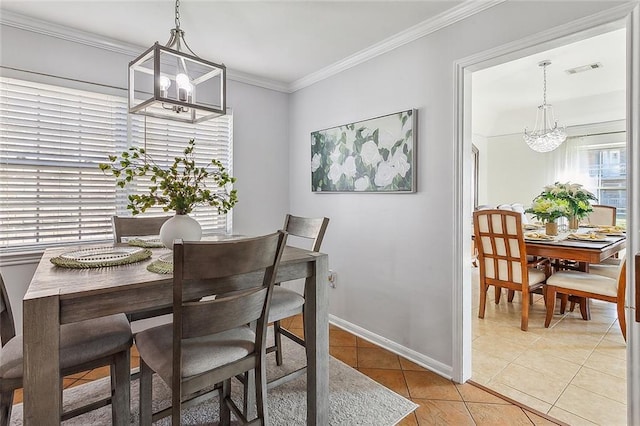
575 371
441 402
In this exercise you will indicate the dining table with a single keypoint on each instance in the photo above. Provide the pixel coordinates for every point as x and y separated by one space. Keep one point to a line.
581 251
584 252
60 295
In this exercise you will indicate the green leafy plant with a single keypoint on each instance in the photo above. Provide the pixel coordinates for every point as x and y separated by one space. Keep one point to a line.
574 194
548 210
180 187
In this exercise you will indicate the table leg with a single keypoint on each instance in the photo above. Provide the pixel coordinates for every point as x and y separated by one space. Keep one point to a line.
316 334
42 395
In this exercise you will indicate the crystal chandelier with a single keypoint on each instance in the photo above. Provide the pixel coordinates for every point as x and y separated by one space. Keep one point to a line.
545 137
174 83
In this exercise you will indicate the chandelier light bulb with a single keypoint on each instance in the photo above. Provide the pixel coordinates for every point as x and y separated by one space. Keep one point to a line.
165 83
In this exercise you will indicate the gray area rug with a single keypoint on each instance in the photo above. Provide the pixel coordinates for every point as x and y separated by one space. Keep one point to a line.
354 399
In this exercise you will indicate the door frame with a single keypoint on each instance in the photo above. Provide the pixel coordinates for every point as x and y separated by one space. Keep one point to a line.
627 16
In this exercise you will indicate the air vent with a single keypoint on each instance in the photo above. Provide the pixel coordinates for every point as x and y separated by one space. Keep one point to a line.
584 68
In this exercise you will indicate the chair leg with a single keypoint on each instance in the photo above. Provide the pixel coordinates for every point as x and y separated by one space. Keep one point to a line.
524 323
564 298
483 300
277 337
225 412
510 295
6 403
121 389
261 391
497 294
551 304
584 308
146 376
622 319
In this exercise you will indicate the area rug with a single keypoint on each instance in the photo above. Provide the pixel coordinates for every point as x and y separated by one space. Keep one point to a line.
354 399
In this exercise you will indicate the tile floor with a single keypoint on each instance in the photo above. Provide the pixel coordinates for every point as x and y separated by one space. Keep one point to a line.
574 371
441 402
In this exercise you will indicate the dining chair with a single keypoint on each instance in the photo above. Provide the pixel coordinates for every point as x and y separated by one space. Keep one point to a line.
503 260
84 345
602 215
287 302
136 227
210 340
590 286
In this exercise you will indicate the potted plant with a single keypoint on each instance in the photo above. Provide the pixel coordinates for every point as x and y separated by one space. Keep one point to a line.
548 210
575 195
180 188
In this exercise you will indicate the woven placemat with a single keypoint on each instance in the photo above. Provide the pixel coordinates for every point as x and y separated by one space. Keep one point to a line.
145 243
164 265
67 262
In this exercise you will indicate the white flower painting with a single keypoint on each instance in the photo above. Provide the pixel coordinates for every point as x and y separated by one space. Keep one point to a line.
375 155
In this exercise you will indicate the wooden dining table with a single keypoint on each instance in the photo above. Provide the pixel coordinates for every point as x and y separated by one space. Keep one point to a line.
583 252
58 295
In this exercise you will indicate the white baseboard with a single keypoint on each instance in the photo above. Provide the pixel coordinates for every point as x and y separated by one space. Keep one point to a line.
413 356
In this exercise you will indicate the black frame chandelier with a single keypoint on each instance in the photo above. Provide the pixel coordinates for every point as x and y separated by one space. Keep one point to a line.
172 82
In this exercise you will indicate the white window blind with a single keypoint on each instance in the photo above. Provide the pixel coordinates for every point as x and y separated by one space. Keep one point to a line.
51 142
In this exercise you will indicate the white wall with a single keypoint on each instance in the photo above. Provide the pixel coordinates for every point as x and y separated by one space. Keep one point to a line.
483 167
393 253
260 146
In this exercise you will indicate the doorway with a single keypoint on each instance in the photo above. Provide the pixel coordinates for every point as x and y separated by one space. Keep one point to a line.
462 362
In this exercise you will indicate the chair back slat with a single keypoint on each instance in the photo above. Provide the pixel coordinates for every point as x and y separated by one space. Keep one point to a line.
136 226
7 325
232 257
305 227
501 248
209 317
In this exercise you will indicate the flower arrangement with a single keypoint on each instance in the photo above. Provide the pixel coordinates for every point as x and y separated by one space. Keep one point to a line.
574 194
180 187
548 210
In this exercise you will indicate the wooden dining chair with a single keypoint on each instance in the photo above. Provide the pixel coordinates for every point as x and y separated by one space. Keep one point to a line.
84 346
503 260
286 302
602 215
136 226
590 286
210 341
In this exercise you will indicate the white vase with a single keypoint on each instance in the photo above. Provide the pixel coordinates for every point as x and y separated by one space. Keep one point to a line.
180 226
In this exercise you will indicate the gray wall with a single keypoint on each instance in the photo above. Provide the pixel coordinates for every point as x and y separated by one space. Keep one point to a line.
260 145
394 253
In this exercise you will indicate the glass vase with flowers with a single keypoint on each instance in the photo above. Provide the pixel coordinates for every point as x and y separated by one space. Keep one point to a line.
548 211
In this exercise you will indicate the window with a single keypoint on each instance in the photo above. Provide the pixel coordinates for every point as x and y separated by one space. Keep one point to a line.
51 142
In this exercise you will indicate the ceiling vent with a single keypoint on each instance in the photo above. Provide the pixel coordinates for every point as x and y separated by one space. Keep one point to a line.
583 68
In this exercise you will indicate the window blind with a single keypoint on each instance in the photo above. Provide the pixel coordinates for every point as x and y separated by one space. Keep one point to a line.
51 142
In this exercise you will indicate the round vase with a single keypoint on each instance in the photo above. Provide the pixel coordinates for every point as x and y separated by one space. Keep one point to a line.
551 228
573 223
180 226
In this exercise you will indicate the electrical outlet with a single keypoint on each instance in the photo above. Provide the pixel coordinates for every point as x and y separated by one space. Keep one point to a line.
333 278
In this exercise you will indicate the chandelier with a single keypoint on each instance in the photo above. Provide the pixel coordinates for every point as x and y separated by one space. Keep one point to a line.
546 135
172 82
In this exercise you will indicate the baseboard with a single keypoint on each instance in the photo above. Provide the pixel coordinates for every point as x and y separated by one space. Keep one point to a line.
413 356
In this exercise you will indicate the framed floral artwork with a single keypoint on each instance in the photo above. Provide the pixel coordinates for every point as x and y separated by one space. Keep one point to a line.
375 155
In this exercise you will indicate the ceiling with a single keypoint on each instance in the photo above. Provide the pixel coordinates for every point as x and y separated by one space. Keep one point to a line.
505 97
282 41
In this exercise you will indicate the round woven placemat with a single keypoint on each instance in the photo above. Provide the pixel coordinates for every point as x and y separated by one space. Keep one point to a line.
160 267
136 242
72 263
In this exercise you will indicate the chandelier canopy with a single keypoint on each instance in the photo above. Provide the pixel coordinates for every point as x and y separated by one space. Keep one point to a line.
173 82
546 135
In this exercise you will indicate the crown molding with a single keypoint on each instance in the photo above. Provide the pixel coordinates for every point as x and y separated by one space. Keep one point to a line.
449 17
27 23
